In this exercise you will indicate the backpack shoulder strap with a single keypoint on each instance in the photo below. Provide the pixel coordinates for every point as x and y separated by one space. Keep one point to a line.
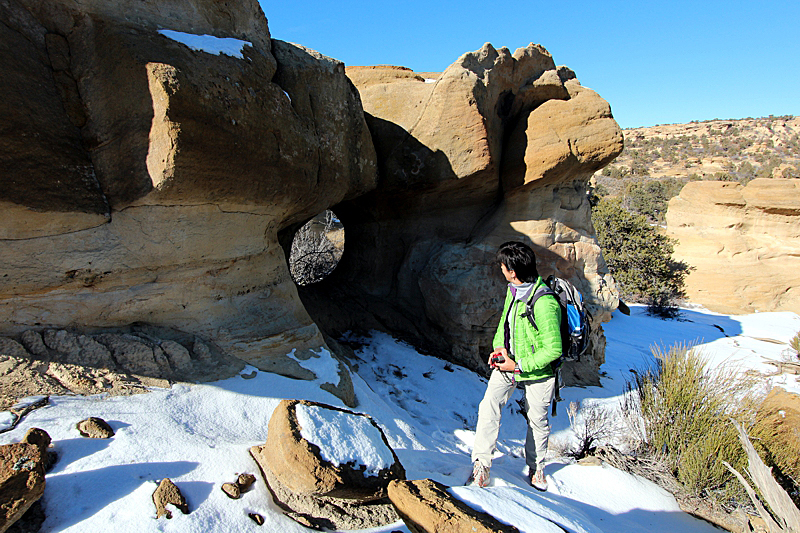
538 293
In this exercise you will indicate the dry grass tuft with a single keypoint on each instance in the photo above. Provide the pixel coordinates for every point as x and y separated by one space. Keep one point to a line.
684 409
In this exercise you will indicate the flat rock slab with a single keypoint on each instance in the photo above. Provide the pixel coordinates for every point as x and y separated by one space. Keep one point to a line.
427 507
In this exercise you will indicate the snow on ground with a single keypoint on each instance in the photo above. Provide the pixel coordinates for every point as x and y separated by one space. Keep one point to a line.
208 43
199 436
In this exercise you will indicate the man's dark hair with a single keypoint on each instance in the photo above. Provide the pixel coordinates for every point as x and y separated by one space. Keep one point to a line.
520 258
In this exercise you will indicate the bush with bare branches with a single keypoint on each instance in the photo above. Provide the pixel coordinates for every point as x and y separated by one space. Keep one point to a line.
316 249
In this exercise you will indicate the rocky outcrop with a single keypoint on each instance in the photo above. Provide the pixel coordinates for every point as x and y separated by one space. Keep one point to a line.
741 149
312 482
60 362
427 506
499 147
743 242
144 181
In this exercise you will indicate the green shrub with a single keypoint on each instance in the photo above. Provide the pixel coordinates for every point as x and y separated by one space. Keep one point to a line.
685 409
650 197
794 344
639 258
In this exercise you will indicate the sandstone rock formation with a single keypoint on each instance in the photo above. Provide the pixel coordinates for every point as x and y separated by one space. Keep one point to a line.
499 147
21 480
313 488
61 362
743 241
426 506
143 181
147 183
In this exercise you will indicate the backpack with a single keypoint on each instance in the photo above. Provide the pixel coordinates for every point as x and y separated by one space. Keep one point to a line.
575 327
574 317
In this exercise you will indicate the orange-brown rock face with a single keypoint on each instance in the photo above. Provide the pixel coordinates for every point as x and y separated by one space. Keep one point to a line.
743 241
142 180
499 147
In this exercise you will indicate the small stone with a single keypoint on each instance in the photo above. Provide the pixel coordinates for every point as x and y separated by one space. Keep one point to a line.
257 518
232 490
95 428
39 437
245 481
168 493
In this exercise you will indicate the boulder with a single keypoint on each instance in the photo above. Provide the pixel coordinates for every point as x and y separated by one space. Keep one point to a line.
21 480
309 479
742 241
426 507
41 439
312 468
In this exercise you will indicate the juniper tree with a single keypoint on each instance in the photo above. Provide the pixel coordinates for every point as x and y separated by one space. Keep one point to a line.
639 258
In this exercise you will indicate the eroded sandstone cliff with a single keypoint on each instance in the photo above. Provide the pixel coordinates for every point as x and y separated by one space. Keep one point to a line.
499 147
147 182
743 242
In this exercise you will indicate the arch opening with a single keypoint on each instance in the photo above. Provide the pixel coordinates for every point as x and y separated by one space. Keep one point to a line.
316 248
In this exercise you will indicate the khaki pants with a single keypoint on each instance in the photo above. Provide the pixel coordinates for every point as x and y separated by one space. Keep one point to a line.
538 395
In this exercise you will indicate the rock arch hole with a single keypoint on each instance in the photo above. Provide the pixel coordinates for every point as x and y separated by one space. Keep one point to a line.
317 248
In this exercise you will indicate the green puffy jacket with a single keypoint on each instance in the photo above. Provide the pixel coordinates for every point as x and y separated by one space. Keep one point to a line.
534 349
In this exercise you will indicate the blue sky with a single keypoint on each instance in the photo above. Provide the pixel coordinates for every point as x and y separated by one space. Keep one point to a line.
655 62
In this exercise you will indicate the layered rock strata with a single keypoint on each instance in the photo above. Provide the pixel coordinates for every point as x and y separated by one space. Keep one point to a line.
499 147
148 181
144 181
743 242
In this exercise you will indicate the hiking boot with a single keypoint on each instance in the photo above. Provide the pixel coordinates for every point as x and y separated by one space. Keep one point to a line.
537 479
479 476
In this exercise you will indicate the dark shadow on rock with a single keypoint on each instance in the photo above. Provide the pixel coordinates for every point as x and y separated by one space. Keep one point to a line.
419 206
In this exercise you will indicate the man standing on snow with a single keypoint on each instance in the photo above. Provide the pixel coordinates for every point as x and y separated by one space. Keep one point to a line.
523 355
